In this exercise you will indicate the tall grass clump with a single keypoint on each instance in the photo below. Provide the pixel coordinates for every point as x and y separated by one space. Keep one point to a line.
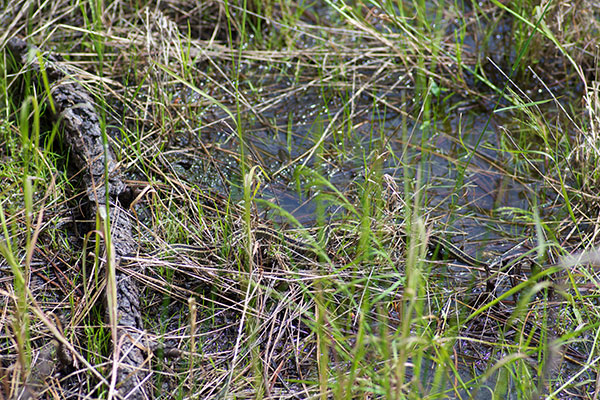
21 219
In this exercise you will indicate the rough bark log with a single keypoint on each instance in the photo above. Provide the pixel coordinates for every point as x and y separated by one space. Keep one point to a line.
74 109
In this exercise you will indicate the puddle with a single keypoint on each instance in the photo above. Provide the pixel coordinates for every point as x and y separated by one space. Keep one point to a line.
346 154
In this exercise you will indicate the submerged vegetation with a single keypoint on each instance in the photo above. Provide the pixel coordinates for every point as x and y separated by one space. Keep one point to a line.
330 199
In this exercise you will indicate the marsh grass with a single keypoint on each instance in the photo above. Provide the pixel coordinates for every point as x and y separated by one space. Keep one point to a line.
351 110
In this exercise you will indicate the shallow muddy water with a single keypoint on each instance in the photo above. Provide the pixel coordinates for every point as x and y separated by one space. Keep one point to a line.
432 154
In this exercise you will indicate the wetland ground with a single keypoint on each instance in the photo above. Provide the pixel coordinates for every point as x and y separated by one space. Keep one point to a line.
329 199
